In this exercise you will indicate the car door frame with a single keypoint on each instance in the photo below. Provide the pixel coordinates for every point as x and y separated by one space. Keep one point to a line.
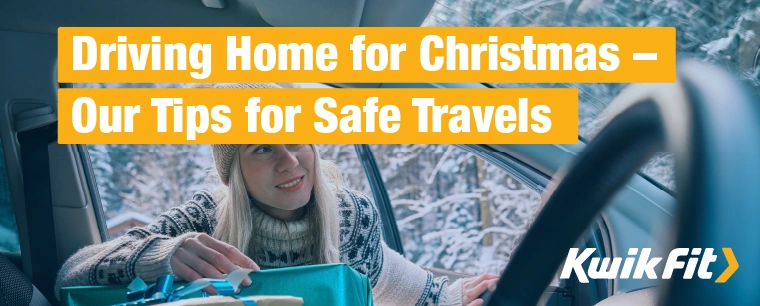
382 199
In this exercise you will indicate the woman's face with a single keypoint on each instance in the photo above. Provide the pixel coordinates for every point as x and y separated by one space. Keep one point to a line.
280 176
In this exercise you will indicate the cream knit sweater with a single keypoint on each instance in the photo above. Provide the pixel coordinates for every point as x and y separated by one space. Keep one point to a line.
145 251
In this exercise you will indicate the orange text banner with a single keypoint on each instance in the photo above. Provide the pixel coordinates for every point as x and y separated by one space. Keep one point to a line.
367 55
319 115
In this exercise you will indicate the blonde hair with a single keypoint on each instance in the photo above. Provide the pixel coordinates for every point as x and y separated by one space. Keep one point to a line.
235 222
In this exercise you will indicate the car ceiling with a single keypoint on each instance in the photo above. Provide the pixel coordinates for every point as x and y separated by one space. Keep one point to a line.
45 16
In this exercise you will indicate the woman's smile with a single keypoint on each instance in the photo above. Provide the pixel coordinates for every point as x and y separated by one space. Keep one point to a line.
292 184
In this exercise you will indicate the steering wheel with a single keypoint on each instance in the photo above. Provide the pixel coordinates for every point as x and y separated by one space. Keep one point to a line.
712 126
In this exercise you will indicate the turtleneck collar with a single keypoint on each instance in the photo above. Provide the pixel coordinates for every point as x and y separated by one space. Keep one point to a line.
267 226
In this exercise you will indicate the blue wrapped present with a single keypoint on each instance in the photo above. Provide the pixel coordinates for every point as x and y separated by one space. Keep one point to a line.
330 284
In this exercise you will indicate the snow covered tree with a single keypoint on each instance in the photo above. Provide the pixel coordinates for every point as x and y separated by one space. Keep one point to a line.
119 183
164 176
441 195
110 198
346 158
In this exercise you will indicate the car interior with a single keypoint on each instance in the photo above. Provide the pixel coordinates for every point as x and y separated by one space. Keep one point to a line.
595 194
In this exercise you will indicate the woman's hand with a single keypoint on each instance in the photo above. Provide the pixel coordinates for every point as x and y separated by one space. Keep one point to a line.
473 287
206 257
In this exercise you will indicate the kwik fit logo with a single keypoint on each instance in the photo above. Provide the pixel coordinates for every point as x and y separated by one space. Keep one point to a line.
636 265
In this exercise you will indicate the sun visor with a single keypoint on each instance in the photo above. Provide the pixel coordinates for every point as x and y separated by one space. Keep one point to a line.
343 13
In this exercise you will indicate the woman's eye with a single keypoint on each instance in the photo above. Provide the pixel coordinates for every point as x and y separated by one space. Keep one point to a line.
262 149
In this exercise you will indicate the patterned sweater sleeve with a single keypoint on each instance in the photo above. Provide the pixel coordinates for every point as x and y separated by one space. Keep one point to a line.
395 280
142 251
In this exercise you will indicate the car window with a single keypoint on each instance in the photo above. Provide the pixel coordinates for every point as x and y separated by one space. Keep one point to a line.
454 210
8 230
718 33
136 183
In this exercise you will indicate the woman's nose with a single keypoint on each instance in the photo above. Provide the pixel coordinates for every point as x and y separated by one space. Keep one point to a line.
287 161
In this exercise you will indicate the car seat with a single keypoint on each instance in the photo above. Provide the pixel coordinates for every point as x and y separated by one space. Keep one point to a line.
16 289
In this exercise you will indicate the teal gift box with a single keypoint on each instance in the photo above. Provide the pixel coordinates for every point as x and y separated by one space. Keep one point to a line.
330 284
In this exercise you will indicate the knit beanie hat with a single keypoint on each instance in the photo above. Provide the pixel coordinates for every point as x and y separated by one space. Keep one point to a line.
223 153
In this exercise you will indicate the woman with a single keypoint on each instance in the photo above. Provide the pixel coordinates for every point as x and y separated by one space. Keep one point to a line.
279 206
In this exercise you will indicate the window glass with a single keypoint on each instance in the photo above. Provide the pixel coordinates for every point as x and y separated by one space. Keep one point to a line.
139 182
8 230
724 33
454 210
345 156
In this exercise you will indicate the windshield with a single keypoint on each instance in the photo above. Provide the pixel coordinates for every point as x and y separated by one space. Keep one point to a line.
722 32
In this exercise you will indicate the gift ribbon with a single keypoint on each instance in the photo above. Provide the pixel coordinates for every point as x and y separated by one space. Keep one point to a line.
161 292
